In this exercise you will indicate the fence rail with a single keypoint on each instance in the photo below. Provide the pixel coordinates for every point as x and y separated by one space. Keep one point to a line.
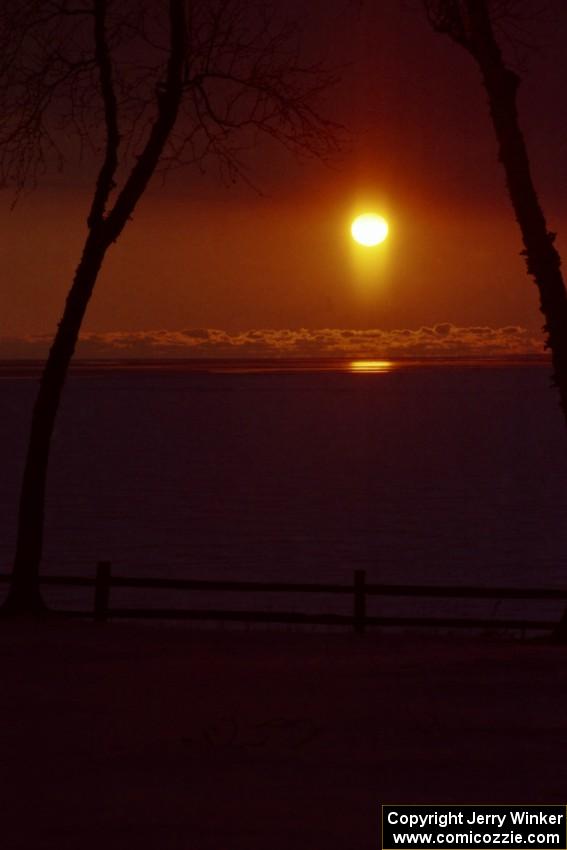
359 590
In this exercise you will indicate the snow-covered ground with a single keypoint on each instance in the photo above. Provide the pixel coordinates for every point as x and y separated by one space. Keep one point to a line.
124 736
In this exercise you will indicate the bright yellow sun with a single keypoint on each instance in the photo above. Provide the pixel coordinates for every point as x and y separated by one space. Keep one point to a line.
369 229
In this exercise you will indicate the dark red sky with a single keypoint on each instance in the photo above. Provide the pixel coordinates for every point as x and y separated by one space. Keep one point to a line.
203 255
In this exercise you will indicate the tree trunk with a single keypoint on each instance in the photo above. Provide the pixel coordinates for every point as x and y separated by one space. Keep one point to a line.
24 596
542 259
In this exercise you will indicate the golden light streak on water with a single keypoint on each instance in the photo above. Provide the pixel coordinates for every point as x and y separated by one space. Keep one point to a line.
371 366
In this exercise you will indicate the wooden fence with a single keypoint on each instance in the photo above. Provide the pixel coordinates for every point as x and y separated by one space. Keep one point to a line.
359 591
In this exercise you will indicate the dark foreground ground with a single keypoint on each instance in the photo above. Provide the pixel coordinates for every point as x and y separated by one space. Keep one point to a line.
122 736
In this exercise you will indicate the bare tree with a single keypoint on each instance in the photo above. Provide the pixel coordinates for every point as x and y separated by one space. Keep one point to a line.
472 24
143 85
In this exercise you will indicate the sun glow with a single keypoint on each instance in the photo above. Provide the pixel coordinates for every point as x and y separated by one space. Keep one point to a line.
369 229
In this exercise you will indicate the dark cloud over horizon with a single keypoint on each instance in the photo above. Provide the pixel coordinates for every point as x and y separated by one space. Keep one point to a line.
442 339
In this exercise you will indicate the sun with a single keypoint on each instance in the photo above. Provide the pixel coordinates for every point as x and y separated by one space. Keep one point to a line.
369 229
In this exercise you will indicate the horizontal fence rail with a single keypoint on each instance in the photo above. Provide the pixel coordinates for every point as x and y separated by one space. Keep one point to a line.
359 590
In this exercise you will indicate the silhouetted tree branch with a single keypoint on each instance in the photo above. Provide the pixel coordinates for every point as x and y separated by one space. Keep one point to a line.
471 24
143 84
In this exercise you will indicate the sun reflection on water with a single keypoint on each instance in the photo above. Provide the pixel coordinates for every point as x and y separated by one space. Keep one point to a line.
367 366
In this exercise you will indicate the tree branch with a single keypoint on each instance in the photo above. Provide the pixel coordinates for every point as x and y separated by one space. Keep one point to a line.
105 182
169 96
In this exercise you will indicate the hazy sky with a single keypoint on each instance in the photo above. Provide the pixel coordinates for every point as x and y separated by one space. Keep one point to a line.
199 254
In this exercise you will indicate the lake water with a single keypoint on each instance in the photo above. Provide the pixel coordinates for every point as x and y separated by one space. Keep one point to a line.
428 473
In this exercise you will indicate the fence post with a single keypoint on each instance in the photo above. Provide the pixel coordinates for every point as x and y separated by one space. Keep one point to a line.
359 601
102 591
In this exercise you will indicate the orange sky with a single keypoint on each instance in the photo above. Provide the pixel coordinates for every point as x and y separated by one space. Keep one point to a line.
202 255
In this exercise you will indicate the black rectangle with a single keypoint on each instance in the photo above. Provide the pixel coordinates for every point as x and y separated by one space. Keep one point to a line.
406 827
